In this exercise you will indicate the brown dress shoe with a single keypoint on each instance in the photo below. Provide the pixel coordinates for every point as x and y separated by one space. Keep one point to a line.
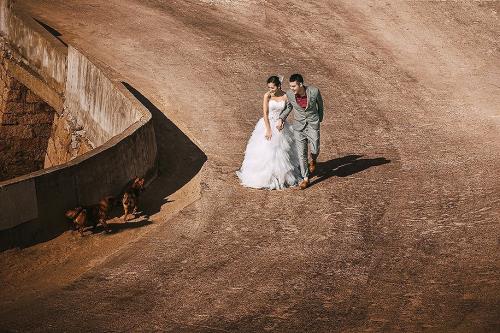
312 167
304 184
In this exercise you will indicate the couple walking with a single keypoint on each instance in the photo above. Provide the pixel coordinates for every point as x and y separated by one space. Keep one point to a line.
276 156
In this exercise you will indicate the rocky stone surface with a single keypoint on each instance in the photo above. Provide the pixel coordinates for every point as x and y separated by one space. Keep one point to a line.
25 127
66 142
32 135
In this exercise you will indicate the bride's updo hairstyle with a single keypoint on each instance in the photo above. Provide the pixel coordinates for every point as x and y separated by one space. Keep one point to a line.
275 80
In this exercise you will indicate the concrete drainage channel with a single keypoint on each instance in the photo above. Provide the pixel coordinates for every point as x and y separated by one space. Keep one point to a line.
107 134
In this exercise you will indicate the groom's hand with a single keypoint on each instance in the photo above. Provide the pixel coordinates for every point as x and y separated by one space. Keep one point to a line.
280 124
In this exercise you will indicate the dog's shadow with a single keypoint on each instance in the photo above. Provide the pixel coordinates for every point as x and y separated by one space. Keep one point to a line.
345 166
118 225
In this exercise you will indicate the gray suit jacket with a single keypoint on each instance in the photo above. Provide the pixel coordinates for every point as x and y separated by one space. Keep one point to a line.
312 114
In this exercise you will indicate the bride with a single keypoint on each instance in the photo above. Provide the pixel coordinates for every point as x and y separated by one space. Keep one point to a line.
271 160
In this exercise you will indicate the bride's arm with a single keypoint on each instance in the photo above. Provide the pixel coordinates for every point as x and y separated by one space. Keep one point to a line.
265 111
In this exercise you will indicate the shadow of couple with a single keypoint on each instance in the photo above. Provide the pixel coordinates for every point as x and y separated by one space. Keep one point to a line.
345 166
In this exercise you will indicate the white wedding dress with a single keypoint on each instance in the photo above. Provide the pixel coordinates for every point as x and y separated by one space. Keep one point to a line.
270 164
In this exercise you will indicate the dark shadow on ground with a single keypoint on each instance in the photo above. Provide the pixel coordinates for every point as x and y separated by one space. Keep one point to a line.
52 31
119 225
179 159
345 166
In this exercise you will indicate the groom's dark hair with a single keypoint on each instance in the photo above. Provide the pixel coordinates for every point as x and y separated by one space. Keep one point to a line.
296 77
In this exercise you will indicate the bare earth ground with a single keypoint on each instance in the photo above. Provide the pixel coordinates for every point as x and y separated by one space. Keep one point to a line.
400 231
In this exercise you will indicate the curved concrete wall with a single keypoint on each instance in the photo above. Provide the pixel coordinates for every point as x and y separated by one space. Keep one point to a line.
44 52
32 206
93 98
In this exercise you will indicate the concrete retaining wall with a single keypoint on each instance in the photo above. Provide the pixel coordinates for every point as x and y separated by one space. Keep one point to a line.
95 101
45 53
32 206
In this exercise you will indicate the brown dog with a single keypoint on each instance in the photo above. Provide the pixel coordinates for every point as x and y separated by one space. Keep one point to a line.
104 207
130 198
79 218
92 215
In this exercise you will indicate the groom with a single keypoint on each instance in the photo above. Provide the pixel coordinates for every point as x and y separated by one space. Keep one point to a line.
307 104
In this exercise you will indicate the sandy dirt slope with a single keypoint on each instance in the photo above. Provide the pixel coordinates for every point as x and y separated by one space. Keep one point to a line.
399 232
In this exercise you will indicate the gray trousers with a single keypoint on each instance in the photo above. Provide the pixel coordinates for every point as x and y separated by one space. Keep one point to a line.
307 136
